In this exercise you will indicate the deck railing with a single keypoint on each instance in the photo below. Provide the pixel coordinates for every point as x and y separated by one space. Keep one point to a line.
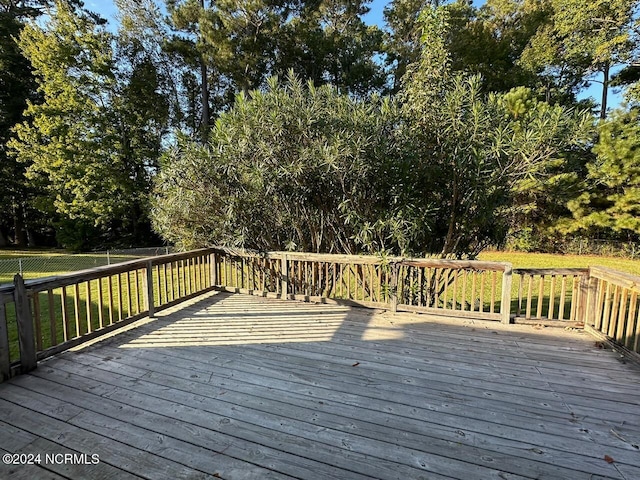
42 317
550 293
39 318
613 309
463 288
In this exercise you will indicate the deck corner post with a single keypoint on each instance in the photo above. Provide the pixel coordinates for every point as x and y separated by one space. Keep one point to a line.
505 302
285 277
150 301
583 299
394 287
24 319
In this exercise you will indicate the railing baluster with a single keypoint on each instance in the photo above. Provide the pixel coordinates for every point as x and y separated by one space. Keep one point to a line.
100 301
465 274
284 288
552 298
540 297
631 318
120 301
52 319
182 285
494 276
37 321
474 276
65 317
172 283
110 295
574 299
129 300
76 307
149 294
527 314
166 282
563 292
613 315
607 309
89 312
158 285
505 301
446 274
622 316
454 294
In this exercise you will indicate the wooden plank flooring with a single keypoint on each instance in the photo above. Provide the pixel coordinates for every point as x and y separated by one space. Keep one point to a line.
239 387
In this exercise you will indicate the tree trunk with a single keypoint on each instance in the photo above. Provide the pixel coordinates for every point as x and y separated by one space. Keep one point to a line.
446 249
205 102
206 121
605 91
19 228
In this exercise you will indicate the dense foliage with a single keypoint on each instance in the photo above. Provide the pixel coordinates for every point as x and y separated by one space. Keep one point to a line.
447 129
315 170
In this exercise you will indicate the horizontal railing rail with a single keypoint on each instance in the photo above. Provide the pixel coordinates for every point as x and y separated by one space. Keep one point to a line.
39 318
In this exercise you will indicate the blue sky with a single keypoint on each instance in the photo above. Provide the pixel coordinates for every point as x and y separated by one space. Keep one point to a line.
108 10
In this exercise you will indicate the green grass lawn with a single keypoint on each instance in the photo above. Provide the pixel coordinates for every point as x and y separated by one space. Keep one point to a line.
549 260
45 263
13 253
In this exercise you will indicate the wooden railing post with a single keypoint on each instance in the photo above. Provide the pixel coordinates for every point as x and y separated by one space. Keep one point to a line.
583 299
150 306
285 277
505 302
24 318
5 358
591 300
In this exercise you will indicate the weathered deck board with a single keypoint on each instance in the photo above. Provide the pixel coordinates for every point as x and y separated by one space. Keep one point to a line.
240 387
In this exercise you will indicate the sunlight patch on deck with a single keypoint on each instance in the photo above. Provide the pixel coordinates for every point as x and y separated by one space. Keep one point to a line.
234 326
230 322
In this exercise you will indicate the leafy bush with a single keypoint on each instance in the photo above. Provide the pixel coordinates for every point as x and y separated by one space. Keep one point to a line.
301 168
435 171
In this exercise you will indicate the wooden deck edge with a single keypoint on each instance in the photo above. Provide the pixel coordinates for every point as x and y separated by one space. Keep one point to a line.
178 301
633 357
306 298
463 314
546 322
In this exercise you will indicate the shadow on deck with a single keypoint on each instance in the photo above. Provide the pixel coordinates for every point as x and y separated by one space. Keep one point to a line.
239 387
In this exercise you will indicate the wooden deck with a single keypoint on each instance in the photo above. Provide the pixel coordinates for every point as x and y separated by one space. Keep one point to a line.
238 387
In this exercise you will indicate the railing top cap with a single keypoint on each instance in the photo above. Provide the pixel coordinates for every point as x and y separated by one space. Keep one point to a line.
55 281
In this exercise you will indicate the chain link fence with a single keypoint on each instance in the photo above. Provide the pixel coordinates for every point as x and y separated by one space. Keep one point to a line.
47 265
605 248
525 242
